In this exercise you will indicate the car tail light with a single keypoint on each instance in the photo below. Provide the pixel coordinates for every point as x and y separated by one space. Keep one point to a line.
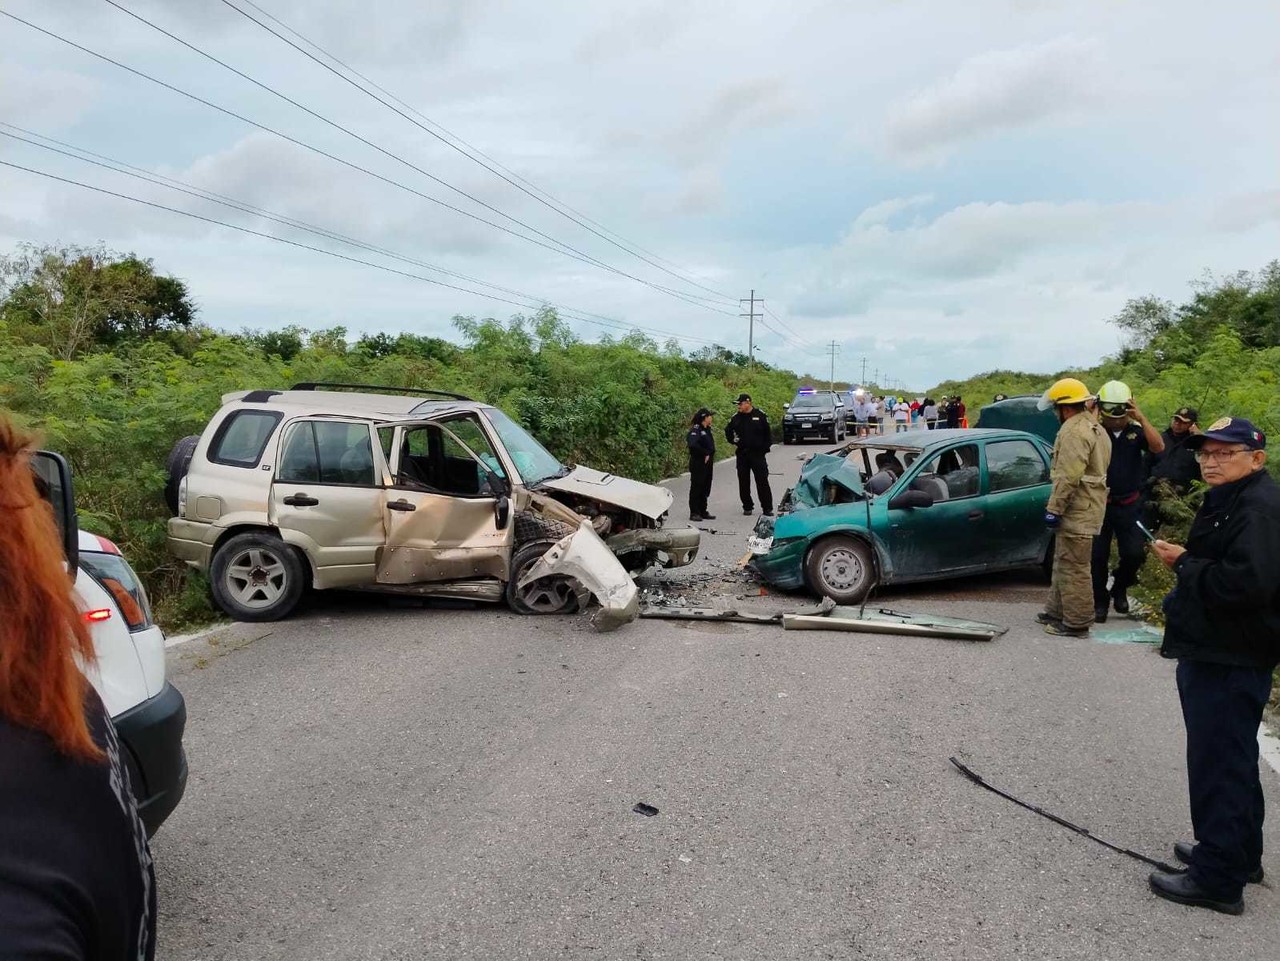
101 614
182 496
117 578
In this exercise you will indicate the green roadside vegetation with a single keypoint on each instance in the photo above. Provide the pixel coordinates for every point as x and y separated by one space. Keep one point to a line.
107 360
1218 352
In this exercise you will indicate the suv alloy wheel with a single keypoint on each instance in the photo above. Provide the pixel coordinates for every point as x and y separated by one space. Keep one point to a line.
257 577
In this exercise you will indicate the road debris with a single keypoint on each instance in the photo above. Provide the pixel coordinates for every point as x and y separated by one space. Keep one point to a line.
648 810
1084 832
885 621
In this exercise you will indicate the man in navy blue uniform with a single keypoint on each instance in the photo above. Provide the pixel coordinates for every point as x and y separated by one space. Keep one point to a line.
1222 623
702 461
1132 437
748 430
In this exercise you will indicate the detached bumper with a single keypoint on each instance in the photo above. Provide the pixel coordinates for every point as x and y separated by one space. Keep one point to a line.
585 558
670 547
151 735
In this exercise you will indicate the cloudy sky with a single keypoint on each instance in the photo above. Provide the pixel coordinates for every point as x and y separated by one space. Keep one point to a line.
942 187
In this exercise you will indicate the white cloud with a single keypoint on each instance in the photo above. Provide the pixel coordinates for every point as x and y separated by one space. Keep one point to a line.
720 144
42 97
1244 212
995 91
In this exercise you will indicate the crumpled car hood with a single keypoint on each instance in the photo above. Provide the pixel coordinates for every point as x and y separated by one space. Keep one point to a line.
823 469
646 499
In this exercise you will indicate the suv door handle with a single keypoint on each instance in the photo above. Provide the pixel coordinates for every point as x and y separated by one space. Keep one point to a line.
976 515
400 505
301 500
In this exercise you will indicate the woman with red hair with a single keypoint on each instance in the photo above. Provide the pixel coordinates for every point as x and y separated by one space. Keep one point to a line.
76 880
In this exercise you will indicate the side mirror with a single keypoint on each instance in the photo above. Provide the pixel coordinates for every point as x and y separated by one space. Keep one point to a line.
909 499
786 406
53 481
502 511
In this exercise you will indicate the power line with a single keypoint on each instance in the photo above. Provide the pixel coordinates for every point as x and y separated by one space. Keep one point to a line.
567 248
783 324
448 141
472 147
354 166
139 173
331 253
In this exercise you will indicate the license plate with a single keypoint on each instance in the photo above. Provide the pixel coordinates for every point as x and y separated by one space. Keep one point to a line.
759 545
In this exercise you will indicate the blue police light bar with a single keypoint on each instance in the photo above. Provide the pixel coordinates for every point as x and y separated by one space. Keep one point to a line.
807 390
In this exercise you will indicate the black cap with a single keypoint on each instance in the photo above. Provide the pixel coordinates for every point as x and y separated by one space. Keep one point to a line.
1230 430
1189 414
742 397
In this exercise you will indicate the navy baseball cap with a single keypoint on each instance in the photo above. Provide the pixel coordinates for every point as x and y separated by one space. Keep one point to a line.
1189 414
742 397
1231 430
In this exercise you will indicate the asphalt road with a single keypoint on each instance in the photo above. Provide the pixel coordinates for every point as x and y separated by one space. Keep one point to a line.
373 780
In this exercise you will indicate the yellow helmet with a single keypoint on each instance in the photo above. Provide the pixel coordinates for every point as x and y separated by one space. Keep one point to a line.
1066 391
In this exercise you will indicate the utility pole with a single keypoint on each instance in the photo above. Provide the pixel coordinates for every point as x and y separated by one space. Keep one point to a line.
864 369
833 348
751 325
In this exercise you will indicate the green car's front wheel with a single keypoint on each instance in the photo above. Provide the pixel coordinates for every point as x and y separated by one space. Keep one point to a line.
840 568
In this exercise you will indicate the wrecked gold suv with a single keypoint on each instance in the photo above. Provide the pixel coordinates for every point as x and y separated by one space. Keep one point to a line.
364 488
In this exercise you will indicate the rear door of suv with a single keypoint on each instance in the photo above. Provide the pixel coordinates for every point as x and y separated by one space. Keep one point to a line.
328 497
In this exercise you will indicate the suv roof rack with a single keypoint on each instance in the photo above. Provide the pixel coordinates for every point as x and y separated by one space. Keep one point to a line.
380 388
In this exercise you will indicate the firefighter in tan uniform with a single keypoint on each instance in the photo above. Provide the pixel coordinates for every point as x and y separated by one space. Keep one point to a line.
1076 508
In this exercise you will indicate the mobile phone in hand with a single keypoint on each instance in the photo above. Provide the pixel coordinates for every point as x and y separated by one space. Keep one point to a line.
1146 533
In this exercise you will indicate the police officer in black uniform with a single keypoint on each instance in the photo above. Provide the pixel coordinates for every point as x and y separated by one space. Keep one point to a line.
1170 473
702 461
1222 623
1177 463
748 430
1132 436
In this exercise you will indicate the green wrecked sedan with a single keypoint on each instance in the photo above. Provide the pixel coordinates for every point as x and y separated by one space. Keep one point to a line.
917 506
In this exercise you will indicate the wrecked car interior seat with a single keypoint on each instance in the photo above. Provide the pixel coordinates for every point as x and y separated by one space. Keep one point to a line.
962 482
934 486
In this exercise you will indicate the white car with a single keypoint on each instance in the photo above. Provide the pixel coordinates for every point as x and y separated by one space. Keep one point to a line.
148 712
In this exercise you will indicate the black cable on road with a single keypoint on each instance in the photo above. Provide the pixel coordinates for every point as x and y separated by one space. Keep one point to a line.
169 183
571 216
347 163
318 250
1084 832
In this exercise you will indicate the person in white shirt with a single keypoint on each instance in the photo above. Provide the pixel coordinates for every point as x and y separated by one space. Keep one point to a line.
930 413
901 416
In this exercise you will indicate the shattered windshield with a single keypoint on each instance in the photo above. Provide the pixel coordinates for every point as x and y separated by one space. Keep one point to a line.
534 462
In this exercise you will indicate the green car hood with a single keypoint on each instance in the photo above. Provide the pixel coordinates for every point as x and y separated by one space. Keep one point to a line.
820 471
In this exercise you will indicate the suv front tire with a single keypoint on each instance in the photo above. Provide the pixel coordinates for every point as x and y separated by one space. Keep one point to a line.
257 577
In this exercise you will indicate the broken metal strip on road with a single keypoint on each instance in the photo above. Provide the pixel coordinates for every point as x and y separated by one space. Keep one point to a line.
885 621
978 779
740 617
830 617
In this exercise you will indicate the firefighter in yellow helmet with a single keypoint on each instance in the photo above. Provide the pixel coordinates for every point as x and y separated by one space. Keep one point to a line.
1077 505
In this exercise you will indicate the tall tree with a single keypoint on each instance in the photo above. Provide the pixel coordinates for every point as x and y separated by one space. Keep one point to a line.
72 299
